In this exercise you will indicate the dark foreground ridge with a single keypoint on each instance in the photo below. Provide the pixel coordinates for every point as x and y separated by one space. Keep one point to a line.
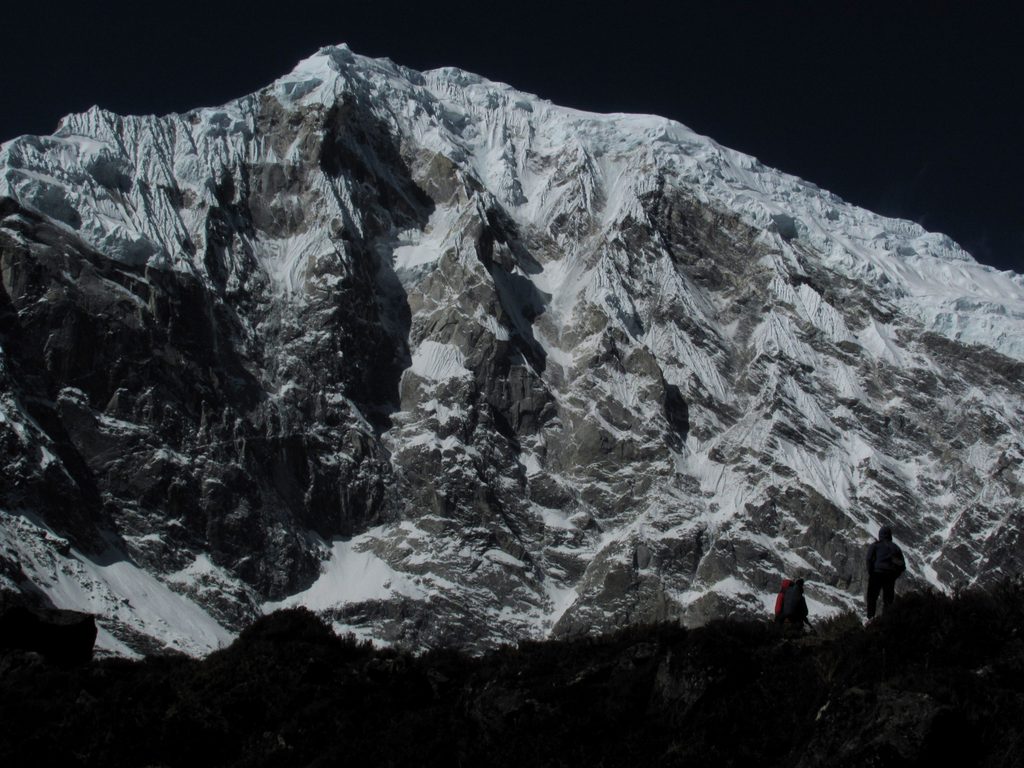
937 681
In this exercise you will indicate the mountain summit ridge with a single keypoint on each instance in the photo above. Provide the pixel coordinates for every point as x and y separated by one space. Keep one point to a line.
454 365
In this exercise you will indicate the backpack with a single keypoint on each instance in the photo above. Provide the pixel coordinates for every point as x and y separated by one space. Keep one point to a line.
786 584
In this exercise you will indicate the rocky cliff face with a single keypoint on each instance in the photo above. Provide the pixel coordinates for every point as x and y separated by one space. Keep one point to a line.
452 365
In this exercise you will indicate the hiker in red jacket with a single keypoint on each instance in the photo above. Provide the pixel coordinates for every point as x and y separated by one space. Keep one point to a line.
791 607
885 564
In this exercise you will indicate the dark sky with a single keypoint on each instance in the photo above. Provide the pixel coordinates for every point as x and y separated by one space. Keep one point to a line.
911 109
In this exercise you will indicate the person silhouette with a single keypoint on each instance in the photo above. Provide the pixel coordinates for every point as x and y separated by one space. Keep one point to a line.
885 564
792 613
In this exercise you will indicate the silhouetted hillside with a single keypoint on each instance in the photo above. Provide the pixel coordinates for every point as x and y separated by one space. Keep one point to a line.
938 681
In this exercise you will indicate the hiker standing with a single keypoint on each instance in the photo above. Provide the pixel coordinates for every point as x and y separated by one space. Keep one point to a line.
791 607
885 564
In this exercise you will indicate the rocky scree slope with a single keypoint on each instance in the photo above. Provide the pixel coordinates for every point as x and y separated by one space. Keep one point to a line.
452 365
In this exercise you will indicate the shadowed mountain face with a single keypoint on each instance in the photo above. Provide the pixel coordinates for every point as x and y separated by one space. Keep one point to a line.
451 365
934 681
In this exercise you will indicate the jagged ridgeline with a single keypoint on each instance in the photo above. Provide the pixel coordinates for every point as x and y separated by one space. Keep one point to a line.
453 366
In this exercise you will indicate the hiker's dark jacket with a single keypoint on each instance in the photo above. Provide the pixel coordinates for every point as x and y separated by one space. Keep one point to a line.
882 555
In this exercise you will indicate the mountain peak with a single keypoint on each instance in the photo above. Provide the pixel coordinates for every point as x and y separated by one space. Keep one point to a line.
455 365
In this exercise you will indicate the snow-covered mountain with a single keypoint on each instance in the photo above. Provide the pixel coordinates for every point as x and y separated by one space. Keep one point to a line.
453 365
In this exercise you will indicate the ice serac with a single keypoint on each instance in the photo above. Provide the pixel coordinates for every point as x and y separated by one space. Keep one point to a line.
453 365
